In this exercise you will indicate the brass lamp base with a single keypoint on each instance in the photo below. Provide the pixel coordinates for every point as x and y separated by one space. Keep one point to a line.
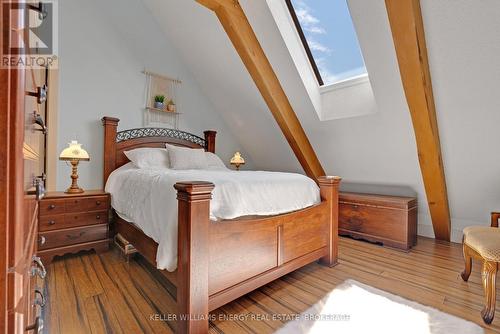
77 190
237 165
74 188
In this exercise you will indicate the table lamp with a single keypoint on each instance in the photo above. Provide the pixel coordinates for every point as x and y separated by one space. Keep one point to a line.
74 153
237 160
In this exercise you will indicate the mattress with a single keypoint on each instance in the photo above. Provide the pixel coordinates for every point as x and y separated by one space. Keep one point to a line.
147 198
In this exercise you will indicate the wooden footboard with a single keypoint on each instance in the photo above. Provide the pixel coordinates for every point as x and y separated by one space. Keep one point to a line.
221 261
247 253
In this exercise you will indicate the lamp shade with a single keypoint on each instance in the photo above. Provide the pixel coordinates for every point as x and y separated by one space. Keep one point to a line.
237 159
74 151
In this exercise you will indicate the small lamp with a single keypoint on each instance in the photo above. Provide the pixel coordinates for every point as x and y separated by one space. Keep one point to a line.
74 153
237 160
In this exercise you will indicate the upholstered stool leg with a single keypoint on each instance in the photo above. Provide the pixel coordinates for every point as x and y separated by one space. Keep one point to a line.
489 275
468 263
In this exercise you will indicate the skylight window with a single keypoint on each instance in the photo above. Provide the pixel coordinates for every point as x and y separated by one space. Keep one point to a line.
329 38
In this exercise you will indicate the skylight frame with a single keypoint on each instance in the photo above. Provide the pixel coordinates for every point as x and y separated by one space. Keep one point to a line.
303 39
332 77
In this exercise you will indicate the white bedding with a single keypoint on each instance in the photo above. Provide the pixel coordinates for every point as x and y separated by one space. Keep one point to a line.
147 198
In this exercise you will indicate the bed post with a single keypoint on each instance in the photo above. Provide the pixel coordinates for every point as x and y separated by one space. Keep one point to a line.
110 125
192 267
210 140
329 190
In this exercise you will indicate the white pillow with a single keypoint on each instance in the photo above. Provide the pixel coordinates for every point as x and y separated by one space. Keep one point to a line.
214 162
148 157
186 158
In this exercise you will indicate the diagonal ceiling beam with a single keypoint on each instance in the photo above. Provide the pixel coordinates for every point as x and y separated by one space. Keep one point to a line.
241 34
405 17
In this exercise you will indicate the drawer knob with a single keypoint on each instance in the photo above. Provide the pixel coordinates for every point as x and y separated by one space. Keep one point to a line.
36 327
39 301
42 240
98 217
38 120
39 268
52 222
38 182
97 202
52 206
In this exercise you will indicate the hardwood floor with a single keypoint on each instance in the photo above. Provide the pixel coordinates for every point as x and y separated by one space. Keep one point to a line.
91 293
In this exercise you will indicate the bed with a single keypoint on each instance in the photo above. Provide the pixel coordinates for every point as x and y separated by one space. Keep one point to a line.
219 260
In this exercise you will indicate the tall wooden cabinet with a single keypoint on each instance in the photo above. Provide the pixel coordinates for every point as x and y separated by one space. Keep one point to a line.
22 142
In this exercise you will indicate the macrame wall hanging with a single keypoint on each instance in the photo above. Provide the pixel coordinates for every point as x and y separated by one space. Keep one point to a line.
162 103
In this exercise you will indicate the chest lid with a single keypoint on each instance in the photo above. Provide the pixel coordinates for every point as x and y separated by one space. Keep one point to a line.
397 202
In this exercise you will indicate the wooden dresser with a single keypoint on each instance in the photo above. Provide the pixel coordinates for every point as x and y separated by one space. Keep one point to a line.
69 223
390 220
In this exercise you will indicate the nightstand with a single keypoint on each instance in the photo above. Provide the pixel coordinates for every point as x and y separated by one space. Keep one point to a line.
69 223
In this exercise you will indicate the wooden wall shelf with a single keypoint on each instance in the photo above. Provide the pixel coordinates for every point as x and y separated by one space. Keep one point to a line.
163 111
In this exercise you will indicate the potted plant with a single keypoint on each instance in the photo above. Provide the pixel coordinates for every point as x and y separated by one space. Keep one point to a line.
171 106
159 101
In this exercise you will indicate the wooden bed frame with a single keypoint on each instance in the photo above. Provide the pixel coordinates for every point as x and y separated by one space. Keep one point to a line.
221 261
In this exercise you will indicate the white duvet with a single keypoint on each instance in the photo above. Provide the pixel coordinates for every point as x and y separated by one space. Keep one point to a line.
147 198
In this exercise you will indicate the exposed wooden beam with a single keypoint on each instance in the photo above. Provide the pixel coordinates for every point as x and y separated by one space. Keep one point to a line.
241 34
231 5
407 27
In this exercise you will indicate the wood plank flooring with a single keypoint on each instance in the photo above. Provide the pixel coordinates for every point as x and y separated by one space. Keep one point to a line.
90 293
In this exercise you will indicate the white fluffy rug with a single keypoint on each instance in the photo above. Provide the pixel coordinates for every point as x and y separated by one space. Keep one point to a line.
353 307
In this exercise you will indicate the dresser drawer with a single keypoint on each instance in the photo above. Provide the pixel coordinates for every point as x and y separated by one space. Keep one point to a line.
57 222
52 207
76 204
51 222
72 236
97 203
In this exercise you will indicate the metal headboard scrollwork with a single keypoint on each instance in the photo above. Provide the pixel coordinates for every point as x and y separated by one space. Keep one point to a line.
159 132
117 143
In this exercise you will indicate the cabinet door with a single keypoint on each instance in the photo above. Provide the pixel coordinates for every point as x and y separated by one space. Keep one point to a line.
21 164
34 184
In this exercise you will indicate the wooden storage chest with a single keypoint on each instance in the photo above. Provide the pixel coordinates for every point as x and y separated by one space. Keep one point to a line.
390 220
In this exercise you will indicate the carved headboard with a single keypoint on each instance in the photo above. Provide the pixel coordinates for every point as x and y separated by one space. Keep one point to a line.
115 143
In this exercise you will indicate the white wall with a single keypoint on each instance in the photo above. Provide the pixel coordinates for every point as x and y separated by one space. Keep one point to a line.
375 152
104 46
463 41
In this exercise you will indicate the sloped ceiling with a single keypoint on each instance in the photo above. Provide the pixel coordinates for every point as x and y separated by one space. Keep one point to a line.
375 152
205 48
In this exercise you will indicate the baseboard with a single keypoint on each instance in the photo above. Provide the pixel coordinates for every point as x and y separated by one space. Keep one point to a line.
425 228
